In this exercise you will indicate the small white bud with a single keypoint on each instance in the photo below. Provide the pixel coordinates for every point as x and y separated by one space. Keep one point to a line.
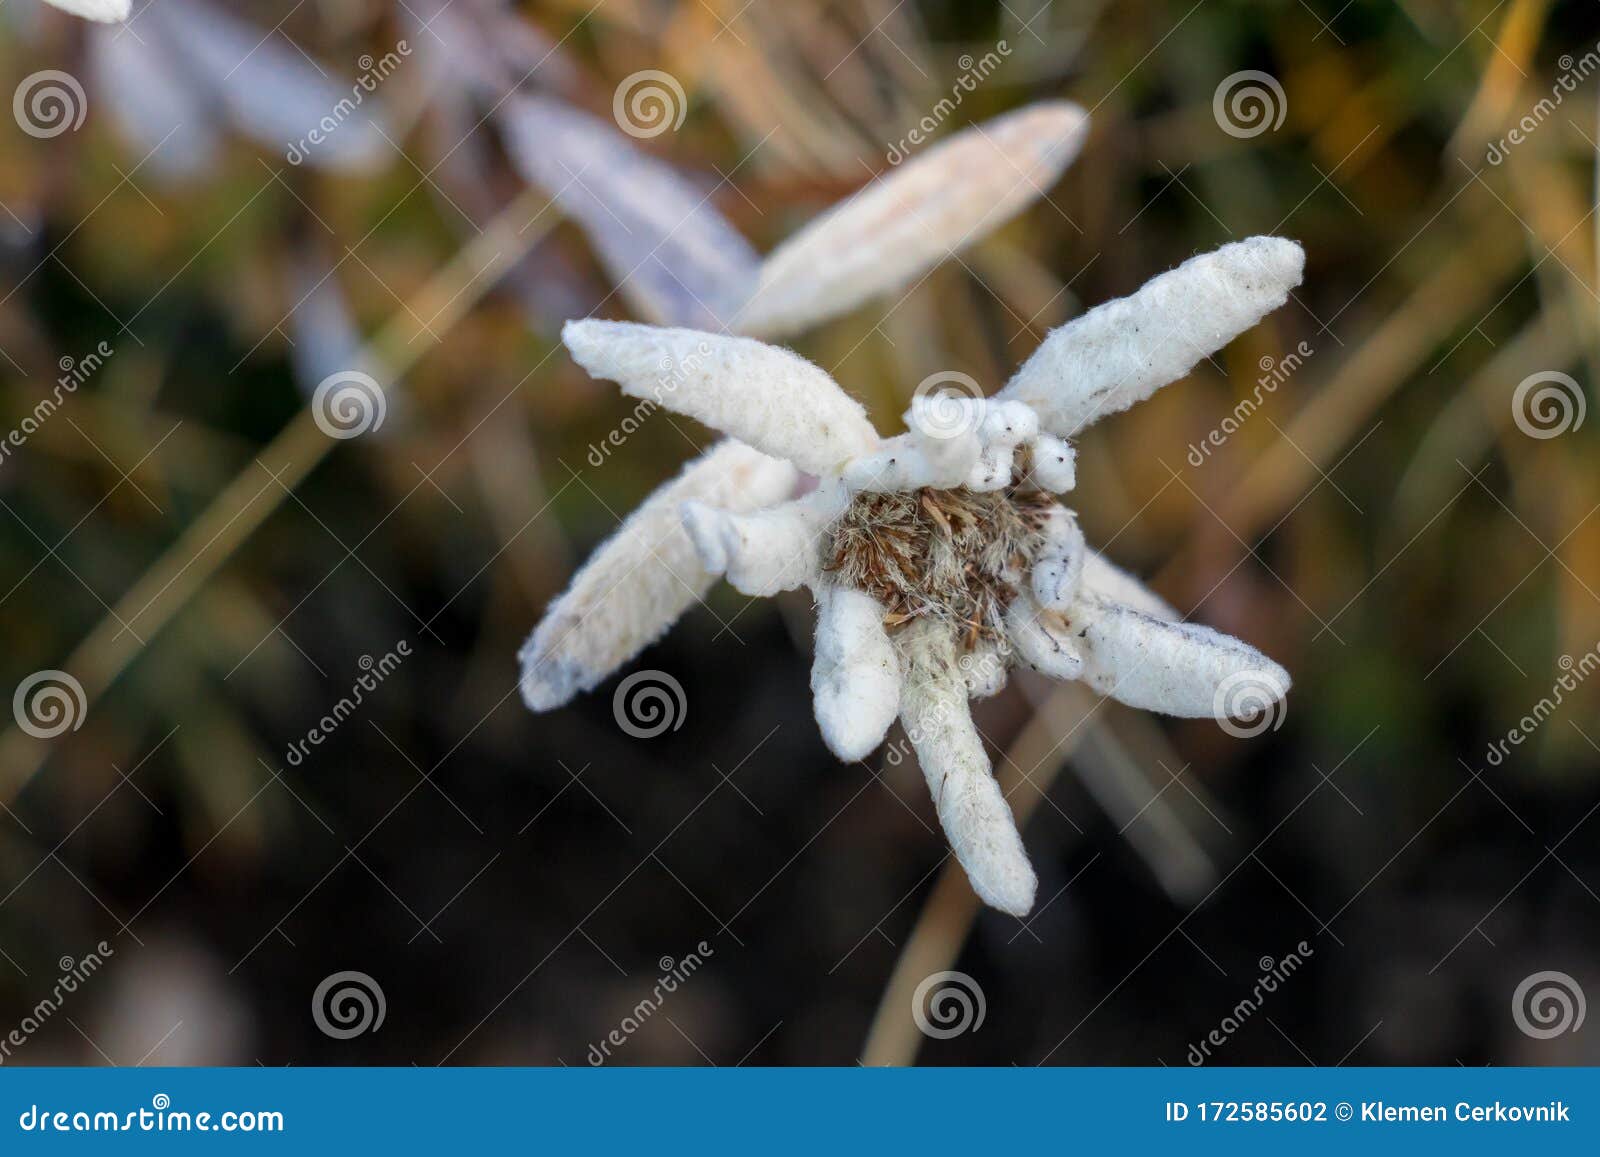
1055 464
1008 423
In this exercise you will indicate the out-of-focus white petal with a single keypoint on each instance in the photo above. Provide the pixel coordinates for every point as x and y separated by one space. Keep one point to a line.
977 821
855 675
1174 668
326 340
485 45
767 551
1111 582
271 92
162 113
769 397
898 227
1123 351
641 579
671 252
107 11
1042 640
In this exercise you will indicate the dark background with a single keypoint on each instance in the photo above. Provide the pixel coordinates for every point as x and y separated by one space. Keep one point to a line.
1381 526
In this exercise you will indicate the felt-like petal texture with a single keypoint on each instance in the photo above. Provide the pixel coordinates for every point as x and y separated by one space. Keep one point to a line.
1123 351
771 398
766 551
1042 640
1104 578
855 674
642 578
906 222
1175 668
976 818
107 11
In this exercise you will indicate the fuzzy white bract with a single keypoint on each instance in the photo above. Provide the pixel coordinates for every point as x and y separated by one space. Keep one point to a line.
939 557
107 11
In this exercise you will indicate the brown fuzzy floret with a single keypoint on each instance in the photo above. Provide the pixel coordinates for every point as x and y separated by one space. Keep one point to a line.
955 555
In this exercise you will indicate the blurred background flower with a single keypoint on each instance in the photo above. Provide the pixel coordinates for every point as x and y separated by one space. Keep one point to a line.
226 231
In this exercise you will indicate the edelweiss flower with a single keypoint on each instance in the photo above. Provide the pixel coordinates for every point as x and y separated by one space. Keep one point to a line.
938 557
107 11
696 271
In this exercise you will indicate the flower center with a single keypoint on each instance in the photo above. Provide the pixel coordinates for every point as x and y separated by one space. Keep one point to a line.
956 556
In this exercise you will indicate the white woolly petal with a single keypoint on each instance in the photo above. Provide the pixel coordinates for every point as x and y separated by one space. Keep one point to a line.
855 675
1111 582
1055 464
897 227
1175 668
712 534
1059 566
976 819
912 461
107 11
769 397
768 551
1042 640
1123 351
269 89
641 579
161 114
